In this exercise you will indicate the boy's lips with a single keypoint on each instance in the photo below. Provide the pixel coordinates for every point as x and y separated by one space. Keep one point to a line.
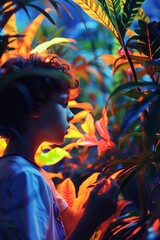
67 130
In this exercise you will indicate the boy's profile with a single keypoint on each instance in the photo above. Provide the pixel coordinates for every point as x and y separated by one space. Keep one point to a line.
33 109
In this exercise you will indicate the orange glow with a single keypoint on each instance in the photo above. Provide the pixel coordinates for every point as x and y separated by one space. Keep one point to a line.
156 225
3 145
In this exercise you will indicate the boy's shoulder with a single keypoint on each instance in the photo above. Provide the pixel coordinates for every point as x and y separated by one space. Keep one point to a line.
16 164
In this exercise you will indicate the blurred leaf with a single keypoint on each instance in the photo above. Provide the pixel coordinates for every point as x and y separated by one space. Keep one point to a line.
136 109
83 105
132 85
132 134
43 46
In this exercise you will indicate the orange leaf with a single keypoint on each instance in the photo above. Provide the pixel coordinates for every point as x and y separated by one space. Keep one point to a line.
87 141
25 44
101 125
83 189
108 59
121 204
67 191
84 105
104 145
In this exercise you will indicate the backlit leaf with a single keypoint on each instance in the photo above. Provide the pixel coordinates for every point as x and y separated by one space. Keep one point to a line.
3 145
88 126
79 116
30 31
43 46
73 132
104 145
51 157
83 189
88 141
131 8
84 105
68 191
95 11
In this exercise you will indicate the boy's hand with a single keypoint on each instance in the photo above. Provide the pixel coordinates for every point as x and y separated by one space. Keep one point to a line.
102 204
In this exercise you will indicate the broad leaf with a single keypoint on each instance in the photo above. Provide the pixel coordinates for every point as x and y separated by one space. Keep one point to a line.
148 39
130 10
68 191
136 109
43 46
131 85
95 11
51 157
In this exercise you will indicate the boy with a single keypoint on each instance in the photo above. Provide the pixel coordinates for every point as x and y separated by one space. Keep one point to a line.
34 109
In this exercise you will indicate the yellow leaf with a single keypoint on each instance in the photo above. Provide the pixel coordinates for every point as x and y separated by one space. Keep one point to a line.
68 191
84 192
88 125
73 132
42 47
95 11
79 116
3 145
84 105
108 59
83 189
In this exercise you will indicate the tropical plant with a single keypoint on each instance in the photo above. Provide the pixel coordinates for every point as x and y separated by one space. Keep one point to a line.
138 132
131 155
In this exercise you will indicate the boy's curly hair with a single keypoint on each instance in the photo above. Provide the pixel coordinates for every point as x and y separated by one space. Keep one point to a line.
27 84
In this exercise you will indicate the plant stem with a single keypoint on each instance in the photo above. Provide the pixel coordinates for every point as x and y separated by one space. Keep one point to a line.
130 63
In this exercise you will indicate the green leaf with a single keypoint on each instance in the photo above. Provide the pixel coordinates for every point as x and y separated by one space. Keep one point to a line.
148 39
132 134
132 85
141 15
43 12
114 8
130 11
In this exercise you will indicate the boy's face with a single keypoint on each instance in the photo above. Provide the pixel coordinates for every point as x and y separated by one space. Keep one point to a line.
54 118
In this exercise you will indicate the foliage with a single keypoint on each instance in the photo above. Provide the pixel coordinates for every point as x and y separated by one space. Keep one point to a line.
118 139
